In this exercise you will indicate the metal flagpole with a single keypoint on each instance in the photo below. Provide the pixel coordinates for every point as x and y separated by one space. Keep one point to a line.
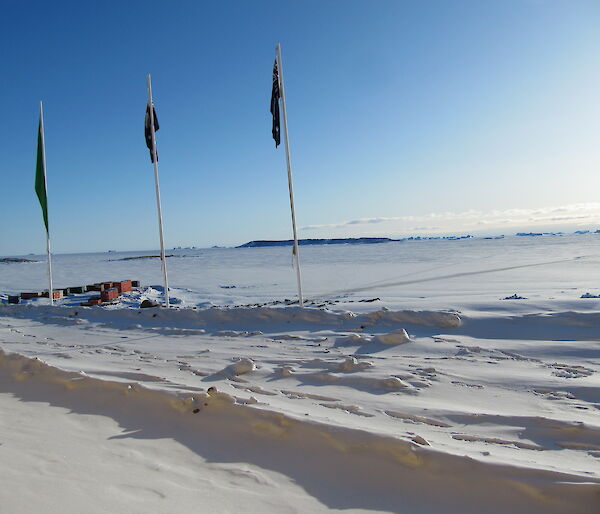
50 289
289 172
160 220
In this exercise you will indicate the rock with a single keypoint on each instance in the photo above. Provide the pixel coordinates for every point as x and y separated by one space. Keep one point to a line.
146 303
515 297
590 295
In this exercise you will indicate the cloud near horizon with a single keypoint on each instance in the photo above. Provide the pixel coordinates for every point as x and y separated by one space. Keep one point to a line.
581 214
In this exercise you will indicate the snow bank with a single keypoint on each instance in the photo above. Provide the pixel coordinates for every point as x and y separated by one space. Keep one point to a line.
328 462
239 319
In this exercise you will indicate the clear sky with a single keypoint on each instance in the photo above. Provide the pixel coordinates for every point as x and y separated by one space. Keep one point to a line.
405 118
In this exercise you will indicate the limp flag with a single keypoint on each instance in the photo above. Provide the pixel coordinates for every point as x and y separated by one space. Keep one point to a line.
275 105
40 174
148 130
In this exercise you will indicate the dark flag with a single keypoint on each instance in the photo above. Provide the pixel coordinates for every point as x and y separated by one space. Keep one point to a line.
148 130
275 95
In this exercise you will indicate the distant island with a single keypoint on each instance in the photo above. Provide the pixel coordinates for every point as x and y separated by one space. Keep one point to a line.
537 234
376 240
137 257
306 242
343 241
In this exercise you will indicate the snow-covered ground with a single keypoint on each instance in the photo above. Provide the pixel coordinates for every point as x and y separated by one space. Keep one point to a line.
412 382
434 274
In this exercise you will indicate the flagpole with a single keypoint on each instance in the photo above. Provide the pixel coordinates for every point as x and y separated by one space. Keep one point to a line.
289 172
50 289
163 260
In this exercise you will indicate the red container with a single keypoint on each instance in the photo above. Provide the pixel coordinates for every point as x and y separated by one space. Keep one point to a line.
96 300
55 294
109 294
123 286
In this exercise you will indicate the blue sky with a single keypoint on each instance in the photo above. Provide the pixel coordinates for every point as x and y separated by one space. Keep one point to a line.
405 118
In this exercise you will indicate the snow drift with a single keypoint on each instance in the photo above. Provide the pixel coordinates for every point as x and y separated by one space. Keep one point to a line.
342 467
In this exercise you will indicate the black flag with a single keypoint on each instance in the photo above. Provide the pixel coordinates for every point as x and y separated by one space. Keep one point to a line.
148 130
275 95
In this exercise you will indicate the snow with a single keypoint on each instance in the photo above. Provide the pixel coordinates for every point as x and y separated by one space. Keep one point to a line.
407 383
396 337
240 367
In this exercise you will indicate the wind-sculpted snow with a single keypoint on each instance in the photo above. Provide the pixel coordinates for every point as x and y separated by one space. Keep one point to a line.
317 456
405 383
393 338
389 327
255 318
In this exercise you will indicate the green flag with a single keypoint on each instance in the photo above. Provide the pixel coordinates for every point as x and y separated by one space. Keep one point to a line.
40 173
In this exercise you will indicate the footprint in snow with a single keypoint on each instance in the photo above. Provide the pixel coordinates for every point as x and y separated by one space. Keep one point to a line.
416 419
351 409
301 395
495 440
570 371
254 389
464 384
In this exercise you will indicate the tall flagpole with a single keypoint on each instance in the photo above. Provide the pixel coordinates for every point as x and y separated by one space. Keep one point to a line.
50 289
163 260
289 172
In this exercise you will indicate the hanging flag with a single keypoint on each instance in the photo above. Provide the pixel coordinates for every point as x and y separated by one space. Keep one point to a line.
275 105
277 94
148 130
40 174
